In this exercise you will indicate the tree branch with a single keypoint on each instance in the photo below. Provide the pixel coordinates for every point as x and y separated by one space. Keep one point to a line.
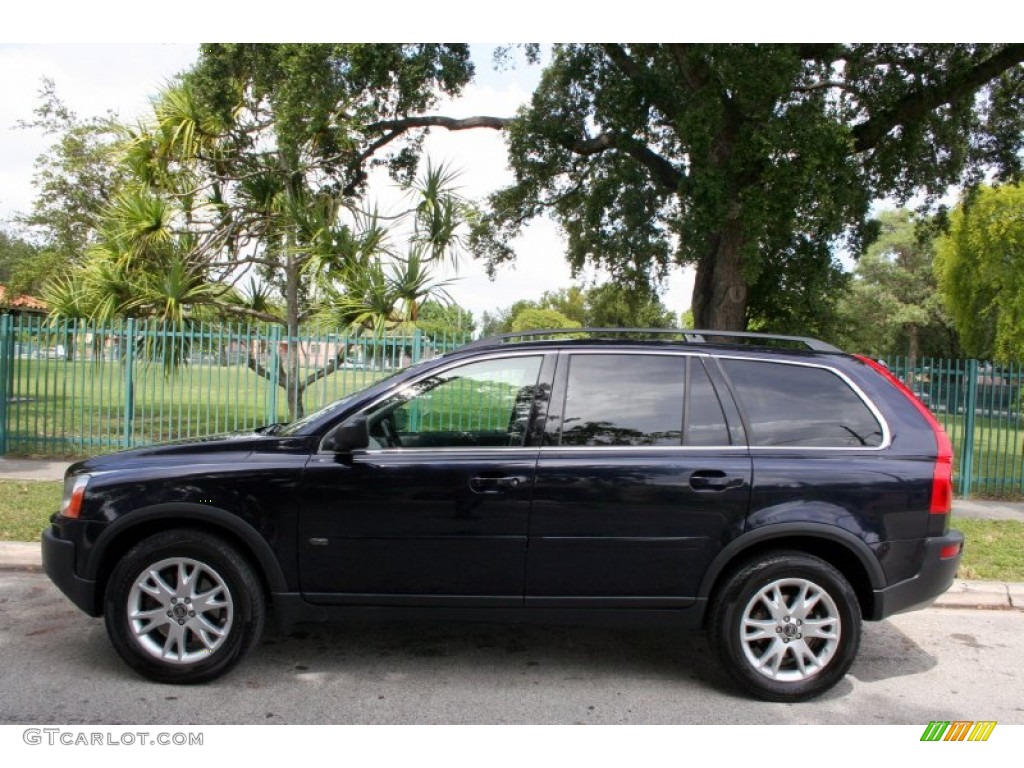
828 84
235 309
438 121
257 367
336 362
916 104
663 172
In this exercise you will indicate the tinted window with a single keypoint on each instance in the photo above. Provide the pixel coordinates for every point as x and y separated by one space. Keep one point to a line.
624 400
795 405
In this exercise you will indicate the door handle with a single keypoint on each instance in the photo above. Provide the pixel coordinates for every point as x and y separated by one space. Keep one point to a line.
714 480
481 484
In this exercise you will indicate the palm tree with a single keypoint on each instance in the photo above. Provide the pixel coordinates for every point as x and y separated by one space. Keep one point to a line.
199 218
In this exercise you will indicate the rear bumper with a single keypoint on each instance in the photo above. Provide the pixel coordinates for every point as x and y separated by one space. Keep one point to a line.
934 578
59 564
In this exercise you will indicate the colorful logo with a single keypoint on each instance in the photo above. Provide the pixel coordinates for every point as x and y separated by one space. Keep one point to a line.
958 730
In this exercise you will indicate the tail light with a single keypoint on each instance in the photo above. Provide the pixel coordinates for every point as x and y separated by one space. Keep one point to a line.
74 493
942 473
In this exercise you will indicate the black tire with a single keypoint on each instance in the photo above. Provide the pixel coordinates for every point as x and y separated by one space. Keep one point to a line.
183 606
760 630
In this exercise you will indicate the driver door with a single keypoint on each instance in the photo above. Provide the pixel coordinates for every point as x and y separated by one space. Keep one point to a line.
436 510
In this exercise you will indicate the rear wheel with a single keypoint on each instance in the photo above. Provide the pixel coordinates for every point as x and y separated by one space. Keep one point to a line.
183 607
786 626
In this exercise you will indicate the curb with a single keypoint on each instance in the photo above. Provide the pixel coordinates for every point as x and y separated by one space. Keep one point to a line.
984 595
20 556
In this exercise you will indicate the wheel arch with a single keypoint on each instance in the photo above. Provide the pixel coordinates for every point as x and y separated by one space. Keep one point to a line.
122 534
844 551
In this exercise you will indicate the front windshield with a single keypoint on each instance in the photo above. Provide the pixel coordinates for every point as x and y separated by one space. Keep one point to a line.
295 427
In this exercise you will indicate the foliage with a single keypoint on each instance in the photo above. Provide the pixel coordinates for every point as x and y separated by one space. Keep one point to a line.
749 162
252 168
613 306
531 319
980 267
75 179
439 319
25 267
893 306
608 305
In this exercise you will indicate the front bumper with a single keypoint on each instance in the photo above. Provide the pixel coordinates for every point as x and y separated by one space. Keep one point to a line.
59 564
935 577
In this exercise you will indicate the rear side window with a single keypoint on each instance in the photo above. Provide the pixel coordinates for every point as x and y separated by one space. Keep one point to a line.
624 400
641 400
801 406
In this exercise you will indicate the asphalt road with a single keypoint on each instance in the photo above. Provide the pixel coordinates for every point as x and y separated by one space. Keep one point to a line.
58 668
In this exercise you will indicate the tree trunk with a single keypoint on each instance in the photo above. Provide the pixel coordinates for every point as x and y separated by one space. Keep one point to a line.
720 291
913 339
293 387
294 390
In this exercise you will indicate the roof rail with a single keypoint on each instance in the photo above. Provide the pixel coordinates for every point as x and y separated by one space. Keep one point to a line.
690 335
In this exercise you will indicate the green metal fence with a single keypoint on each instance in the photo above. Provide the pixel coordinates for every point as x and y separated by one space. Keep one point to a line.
979 404
76 387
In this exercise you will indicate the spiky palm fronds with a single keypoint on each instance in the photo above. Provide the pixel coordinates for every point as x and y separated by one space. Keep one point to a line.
411 283
440 212
138 225
172 293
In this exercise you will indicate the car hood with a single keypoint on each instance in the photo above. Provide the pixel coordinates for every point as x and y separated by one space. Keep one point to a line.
197 450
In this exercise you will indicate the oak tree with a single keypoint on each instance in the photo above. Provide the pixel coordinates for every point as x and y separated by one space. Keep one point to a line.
748 162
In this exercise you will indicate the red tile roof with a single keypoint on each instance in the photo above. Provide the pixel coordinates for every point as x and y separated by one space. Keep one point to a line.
23 302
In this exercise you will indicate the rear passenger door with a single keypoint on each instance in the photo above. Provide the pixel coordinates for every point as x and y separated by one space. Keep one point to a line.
643 477
818 446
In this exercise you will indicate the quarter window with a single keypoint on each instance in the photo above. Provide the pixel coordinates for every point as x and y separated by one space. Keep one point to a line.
801 406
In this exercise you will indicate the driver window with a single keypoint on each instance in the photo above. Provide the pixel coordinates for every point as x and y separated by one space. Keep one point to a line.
483 404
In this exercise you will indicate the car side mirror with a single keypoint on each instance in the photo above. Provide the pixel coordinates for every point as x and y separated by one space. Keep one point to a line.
350 436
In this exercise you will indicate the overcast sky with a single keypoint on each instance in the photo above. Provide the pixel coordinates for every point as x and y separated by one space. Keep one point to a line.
95 78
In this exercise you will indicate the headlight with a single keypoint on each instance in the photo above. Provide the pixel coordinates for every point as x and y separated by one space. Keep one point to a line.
74 492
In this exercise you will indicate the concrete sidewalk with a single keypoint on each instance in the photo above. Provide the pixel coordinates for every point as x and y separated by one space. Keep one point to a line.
32 469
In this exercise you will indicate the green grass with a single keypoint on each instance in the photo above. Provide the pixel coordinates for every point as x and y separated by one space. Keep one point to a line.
25 508
995 548
62 408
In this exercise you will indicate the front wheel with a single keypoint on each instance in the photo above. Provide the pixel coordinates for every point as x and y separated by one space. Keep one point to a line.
786 625
183 607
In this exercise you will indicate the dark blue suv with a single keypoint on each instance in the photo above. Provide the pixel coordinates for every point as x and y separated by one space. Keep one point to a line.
772 490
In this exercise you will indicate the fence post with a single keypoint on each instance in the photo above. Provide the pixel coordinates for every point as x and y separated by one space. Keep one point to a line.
417 345
967 448
128 357
273 360
6 368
